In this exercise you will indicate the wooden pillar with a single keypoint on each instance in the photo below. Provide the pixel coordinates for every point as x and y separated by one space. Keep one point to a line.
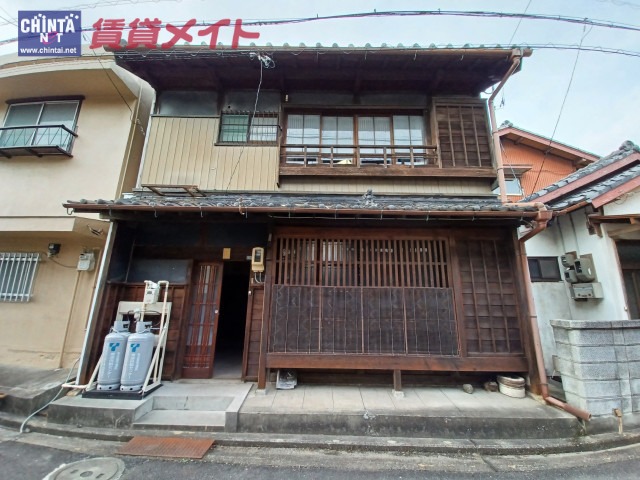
397 381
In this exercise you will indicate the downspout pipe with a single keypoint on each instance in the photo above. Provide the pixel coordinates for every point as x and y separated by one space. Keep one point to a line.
542 223
497 151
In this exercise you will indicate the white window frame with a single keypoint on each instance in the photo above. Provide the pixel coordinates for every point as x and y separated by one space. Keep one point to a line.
17 276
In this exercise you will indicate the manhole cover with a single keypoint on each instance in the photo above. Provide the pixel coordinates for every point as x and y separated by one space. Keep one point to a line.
91 469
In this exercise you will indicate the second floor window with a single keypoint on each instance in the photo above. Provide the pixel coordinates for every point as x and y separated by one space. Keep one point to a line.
385 140
39 124
248 128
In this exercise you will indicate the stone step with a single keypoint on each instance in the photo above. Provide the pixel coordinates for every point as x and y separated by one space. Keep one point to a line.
181 402
192 420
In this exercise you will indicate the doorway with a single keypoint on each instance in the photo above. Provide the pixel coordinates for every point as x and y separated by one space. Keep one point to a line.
629 255
232 321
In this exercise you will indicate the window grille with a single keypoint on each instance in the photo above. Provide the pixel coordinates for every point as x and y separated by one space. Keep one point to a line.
243 127
17 273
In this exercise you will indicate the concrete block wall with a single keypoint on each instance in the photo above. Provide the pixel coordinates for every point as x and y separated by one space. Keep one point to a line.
599 362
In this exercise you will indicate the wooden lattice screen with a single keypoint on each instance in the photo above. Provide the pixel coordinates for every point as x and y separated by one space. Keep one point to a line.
463 135
491 311
338 295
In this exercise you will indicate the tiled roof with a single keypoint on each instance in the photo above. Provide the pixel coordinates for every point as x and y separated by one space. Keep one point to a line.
610 179
367 204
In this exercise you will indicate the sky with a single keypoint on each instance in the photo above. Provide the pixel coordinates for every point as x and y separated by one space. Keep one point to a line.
589 100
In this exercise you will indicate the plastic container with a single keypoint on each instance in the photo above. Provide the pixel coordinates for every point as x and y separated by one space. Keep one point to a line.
511 386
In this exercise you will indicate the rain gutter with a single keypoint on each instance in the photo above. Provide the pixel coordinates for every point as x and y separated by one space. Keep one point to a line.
542 223
497 152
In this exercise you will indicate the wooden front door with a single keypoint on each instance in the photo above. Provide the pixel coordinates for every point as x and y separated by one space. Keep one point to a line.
202 324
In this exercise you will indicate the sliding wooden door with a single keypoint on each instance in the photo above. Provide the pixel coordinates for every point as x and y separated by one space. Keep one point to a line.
202 324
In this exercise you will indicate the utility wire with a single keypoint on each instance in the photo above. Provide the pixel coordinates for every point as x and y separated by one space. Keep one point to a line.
265 62
509 43
566 94
519 22
421 13
451 13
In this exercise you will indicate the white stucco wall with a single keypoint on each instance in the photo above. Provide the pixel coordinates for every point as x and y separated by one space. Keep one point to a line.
553 300
627 204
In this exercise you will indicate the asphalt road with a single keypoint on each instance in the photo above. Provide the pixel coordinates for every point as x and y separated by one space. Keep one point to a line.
34 456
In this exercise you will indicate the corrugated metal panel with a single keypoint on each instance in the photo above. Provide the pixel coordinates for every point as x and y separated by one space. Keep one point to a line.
182 151
417 186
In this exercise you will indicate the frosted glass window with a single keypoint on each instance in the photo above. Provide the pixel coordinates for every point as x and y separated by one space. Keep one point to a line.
337 131
186 103
408 130
374 131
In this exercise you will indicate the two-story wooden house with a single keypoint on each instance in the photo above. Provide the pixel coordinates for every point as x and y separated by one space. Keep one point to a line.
366 175
72 127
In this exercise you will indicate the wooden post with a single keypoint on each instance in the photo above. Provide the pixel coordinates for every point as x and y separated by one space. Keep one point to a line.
397 383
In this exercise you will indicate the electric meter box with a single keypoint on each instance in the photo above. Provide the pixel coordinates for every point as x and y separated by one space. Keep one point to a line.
151 292
257 259
584 269
86 262
586 290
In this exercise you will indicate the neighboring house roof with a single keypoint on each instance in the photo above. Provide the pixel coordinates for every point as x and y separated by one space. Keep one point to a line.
322 204
596 184
547 145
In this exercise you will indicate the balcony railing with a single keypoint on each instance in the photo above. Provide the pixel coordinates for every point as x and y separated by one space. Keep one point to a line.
359 155
36 140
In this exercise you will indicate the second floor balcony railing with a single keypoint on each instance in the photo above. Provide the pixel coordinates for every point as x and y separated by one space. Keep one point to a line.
36 140
341 156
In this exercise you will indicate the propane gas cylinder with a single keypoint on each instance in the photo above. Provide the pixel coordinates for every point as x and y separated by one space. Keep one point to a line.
138 358
113 352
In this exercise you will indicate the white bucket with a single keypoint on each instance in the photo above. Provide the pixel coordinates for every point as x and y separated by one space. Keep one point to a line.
511 386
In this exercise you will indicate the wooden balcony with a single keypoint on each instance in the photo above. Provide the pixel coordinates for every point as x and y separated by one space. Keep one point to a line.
370 161
36 141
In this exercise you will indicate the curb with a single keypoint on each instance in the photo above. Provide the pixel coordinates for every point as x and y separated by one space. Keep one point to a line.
347 443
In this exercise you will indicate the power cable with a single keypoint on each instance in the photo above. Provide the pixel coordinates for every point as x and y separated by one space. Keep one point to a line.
422 13
509 43
265 62
566 94
519 22
104 69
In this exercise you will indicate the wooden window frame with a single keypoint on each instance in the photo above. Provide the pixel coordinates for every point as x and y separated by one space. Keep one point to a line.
425 157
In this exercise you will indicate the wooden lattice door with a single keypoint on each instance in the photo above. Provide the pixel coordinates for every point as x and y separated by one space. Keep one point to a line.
202 325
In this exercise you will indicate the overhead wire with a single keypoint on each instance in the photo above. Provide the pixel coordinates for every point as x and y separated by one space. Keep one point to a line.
265 62
509 43
566 94
409 13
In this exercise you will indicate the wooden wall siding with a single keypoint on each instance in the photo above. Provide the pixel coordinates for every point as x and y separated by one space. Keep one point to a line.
367 262
490 307
118 292
409 186
363 320
255 311
182 151
340 295
463 136
545 169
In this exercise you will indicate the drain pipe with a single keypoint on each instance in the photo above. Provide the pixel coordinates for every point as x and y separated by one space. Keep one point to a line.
542 223
517 58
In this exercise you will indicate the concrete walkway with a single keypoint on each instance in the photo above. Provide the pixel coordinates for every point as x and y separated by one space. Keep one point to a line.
429 412
425 419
